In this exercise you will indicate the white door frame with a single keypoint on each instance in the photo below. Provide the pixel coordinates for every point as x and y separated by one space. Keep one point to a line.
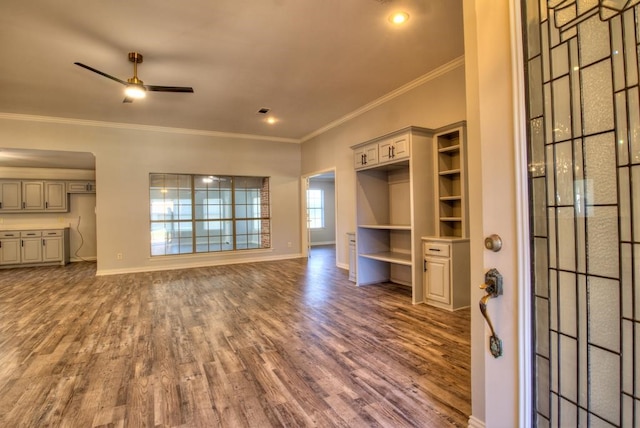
525 325
501 387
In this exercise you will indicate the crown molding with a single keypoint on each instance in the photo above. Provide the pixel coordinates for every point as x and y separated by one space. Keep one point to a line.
446 68
137 127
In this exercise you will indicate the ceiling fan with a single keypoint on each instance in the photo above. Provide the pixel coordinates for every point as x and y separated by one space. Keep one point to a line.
135 88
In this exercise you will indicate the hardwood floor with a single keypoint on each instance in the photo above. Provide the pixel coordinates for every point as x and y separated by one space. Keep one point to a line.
286 343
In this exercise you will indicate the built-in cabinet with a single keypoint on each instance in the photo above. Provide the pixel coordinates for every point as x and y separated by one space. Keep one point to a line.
394 207
446 272
81 187
33 196
10 195
410 186
23 196
450 164
34 247
353 272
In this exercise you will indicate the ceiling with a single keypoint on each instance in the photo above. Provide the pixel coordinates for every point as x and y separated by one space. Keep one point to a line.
310 62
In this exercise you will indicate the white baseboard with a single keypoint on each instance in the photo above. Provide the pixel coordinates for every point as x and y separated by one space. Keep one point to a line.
313 244
475 422
196 264
83 259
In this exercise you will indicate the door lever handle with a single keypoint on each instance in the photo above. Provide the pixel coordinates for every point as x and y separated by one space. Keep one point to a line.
493 287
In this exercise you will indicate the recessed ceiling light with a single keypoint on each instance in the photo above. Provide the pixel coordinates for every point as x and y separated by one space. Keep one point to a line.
271 120
399 18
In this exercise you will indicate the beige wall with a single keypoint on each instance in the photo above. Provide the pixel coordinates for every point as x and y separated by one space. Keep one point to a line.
124 158
437 102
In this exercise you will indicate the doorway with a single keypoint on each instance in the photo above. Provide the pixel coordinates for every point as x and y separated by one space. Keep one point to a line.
319 201
583 117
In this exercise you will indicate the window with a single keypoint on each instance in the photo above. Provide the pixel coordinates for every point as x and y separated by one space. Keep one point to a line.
315 208
207 213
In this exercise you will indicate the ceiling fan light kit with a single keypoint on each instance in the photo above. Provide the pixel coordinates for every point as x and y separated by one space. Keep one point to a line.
134 87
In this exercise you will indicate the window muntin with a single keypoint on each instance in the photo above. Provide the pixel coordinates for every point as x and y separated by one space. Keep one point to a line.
206 213
315 208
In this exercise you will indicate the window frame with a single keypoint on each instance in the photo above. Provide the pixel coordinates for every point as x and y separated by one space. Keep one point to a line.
311 209
201 216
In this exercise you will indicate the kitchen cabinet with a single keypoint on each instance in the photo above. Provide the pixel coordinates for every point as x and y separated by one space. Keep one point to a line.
10 195
9 248
31 246
34 247
81 187
22 196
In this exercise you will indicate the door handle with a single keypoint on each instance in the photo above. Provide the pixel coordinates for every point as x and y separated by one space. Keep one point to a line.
493 287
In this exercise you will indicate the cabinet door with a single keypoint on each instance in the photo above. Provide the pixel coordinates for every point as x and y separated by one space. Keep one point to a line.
31 250
365 156
55 196
81 187
358 158
33 195
371 155
437 279
9 251
10 195
52 249
393 149
385 151
400 147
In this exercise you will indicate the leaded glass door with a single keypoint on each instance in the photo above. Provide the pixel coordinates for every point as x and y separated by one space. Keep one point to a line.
581 60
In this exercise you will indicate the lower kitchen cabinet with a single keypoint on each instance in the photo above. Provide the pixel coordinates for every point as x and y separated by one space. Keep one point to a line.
446 272
34 247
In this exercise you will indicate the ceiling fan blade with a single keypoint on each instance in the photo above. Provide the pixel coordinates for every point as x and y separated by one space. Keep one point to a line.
100 73
127 100
168 88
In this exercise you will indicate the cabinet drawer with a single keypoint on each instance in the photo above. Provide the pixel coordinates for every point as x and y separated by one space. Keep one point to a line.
436 249
14 234
30 233
52 232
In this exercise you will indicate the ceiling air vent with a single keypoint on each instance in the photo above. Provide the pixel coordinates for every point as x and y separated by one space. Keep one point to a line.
263 110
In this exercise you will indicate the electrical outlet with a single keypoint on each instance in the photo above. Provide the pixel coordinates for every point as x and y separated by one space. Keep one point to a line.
119 256
289 244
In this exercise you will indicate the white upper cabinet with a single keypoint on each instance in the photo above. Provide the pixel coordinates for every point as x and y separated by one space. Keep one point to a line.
20 196
10 195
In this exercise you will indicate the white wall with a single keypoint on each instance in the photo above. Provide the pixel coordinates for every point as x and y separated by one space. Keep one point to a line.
326 235
126 155
436 103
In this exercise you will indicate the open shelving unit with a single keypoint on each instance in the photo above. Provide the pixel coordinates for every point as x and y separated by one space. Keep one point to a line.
450 164
394 209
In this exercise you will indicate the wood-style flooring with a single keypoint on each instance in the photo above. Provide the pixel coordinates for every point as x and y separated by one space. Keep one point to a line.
287 343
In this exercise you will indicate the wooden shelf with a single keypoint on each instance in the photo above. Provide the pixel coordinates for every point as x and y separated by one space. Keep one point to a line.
449 172
391 257
453 148
386 226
